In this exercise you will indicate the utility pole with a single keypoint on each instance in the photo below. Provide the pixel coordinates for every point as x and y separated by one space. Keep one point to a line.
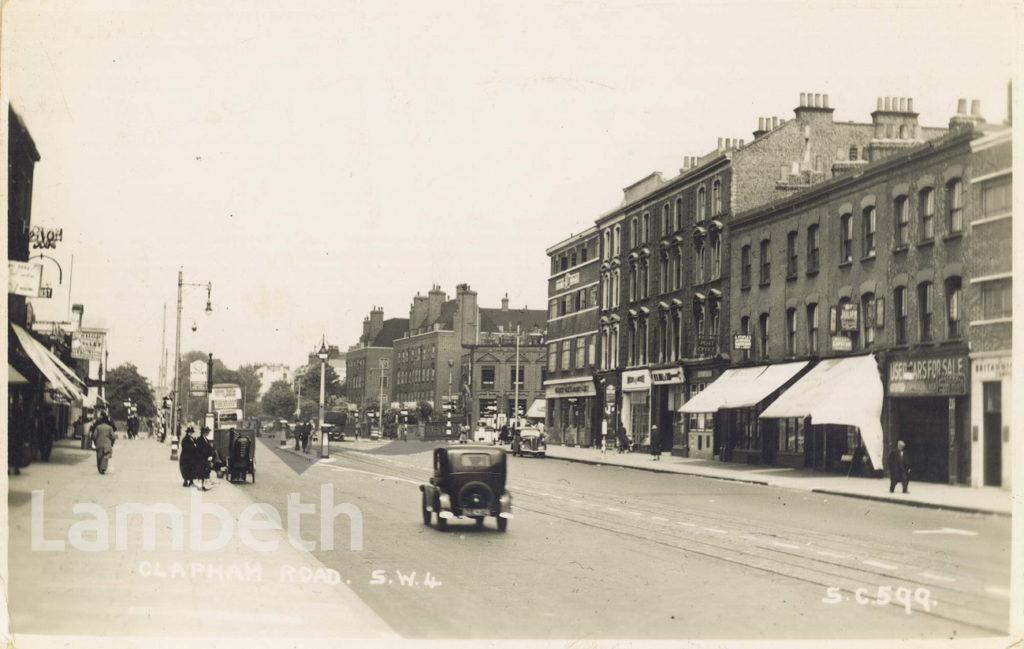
162 384
516 383
380 422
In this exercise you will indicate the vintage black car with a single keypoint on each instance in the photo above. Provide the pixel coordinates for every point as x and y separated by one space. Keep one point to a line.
530 441
468 482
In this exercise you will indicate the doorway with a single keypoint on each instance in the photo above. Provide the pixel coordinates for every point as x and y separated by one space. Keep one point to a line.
993 423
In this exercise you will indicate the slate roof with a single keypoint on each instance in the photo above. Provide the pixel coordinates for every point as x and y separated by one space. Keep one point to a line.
392 328
527 319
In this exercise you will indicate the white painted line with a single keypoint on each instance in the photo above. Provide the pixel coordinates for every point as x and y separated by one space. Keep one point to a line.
747 537
947 530
791 546
879 564
835 555
996 590
377 475
935 577
659 518
715 530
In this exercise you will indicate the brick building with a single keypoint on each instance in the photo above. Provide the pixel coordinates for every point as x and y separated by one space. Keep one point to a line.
873 264
665 256
368 362
573 407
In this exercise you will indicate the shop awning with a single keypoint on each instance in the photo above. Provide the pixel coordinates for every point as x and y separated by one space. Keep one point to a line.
742 387
537 409
49 365
14 377
845 391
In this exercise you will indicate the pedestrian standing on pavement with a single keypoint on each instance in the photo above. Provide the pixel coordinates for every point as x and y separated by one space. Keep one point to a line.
297 432
103 438
655 443
307 428
203 458
899 468
47 433
187 457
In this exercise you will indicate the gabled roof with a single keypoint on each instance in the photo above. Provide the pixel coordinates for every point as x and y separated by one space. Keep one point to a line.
393 328
526 319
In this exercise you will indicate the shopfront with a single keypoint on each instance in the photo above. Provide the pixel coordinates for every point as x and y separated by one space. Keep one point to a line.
570 406
636 405
929 407
733 403
667 395
991 412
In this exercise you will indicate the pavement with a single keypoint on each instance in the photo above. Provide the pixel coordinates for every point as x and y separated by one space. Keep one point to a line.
125 595
984 500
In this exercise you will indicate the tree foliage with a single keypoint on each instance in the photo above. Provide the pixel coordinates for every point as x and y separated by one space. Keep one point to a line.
310 379
279 400
123 383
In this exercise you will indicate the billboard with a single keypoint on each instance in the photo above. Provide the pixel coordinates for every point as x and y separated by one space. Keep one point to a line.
24 278
197 377
87 345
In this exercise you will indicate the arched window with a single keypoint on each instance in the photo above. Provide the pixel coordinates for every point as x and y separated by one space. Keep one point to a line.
791 254
699 314
645 280
614 351
870 226
616 283
925 306
702 204
679 214
955 205
845 238
902 217
663 273
926 205
645 232
634 233
716 256
812 248
853 334
745 267
617 240
607 245
812 329
632 281
766 262
791 332
745 330
899 303
867 316
716 198
666 220
763 331
698 262
954 308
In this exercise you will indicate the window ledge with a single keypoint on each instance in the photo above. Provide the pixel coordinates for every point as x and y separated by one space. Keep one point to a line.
791 276
903 248
764 283
959 340
745 287
846 264
868 257
811 272
925 243
953 235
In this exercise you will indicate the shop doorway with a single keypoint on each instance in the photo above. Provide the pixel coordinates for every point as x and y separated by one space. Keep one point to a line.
993 424
923 423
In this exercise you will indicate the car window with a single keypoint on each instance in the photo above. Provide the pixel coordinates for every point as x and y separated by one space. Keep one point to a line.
474 461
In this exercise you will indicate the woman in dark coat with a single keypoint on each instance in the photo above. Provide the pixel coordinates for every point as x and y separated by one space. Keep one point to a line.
204 456
187 457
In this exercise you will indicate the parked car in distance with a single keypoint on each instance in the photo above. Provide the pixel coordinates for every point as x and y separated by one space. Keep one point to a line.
333 432
468 482
531 442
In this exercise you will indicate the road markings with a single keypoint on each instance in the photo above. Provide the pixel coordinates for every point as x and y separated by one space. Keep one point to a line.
947 530
791 546
935 577
879 564
376 475
835 555
996 590
715 530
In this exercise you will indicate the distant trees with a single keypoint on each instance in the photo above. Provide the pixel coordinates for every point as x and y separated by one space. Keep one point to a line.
125 383
279 400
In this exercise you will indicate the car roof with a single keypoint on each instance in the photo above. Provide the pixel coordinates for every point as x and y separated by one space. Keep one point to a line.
473 448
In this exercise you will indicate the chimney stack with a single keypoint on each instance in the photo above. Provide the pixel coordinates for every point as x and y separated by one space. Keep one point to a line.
976 108
775 123
803 99
824 99
719 144
961 106
504 303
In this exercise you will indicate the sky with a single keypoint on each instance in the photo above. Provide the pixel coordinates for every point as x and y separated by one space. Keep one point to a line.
313 160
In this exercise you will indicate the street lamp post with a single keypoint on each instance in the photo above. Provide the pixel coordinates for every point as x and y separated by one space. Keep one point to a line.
448 425
322 354
176 412
380 422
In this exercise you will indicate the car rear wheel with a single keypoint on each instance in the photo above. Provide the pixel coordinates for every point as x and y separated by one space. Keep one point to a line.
502 524
426 512
442 523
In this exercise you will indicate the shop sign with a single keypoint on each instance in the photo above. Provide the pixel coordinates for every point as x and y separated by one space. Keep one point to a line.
703 374
992 366
942 375
225 404
742 341
705 346
567 281
636 380
87 345
24 278
55 397
849 316
842 344
45 238
578 389
667 375
197 377
227 392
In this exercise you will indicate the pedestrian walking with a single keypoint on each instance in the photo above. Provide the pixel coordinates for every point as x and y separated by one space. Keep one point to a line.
307 429
503 435
297 432
623 439
655 443
899 468
203 458
187 457
103 437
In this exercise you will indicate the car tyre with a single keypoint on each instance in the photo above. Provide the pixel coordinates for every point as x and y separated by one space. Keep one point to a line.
502 524
442 523
426 512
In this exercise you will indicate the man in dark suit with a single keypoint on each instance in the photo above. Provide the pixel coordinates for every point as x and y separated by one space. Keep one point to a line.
899 469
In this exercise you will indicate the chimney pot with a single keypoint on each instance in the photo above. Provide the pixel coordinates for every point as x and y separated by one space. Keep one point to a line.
760 123
824 100
910 104
879 106
888 103
817 100
775 122
976 107
961 106
903 104
719 144
741 144
803 98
